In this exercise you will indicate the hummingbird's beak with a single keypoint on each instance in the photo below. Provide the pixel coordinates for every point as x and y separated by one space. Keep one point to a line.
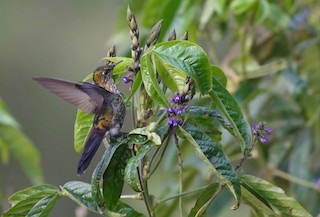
114 64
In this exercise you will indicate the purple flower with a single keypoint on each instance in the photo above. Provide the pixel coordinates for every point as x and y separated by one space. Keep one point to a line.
260 132
318 182
170 110
179 111
177 98
175 123
180 122
269 131
187 97
170 121
254 126
264 139
126 80
171 100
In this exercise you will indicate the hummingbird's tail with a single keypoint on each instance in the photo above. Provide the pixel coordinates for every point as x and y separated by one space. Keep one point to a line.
90 148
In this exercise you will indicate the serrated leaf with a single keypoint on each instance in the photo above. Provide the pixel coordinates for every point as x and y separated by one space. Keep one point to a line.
25 200
150 81
219 75
275 196
189 58
25 193
24 151
213 156
131 175
44 206
82 127
113 177
102 166
261 207
204 200
172 77
231 109
22 208
210 114
80 192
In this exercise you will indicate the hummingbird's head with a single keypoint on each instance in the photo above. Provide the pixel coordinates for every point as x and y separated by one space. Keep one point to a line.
102 75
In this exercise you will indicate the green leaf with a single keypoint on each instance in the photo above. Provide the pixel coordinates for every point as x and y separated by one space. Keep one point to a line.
263 11
153 13
25 193
204 200
81 193
150 81
209 8
275 196
142 135
260 206
126 210
209 114
213 156
172 77
24 151
279 20
44 206
189 58
131 175
113 177
135 86
219 75
82 127
102 166
241 6
6 118
231 109
38 199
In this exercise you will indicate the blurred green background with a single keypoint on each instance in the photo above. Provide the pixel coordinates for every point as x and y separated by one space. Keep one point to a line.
64 39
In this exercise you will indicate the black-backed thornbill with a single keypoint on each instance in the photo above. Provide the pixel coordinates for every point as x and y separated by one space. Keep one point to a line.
101 98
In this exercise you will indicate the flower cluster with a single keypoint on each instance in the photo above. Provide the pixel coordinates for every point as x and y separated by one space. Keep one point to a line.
261 132
179 105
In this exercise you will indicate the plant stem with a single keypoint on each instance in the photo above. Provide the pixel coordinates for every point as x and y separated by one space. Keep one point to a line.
246 153
180 162
166 140
294 179
182 194
144 188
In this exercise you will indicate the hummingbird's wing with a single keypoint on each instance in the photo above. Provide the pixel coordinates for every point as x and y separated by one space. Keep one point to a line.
87 97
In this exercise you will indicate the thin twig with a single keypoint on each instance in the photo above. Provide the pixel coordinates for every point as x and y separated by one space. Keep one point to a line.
246 154
180 163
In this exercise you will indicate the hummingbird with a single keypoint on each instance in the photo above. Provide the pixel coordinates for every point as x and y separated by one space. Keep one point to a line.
102 98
